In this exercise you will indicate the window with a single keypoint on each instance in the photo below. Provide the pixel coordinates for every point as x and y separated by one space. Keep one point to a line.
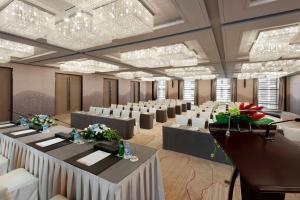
223 90
189 90
268 93
161 89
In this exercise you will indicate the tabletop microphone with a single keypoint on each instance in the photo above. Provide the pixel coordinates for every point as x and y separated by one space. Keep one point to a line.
267 133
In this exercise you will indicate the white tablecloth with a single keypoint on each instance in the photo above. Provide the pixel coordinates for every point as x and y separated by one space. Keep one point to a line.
58 177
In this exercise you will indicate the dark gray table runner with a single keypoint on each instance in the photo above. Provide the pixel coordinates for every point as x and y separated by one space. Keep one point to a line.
82 120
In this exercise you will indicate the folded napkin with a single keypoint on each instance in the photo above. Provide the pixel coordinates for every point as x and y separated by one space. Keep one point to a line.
23 132
175 125
49 142
93 158
6 125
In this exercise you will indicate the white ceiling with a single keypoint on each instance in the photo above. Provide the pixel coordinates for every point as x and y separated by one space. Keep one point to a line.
217 27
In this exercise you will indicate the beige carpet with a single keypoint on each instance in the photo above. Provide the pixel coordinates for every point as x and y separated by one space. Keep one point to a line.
187 177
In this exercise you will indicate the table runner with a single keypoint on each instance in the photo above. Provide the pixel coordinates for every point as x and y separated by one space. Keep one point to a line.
58 177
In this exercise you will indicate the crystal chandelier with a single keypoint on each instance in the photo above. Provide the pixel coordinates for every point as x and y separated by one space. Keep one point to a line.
23 19
171 55
200 77
124 18
77 32
133 75
3 2
89 4
189 71
87 66
274 44
15 49
4 58
289 66
260 75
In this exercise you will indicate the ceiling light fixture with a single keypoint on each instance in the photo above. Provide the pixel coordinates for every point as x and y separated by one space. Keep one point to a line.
78 32
288 66
133 75
87 66
124 18
24 19
171 55
189 71
274 44
260 75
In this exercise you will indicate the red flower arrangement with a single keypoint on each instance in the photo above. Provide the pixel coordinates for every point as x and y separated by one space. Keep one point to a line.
252 111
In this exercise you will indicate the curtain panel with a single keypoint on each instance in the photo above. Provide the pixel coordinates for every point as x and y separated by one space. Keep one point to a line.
213 89
255 93
234 89
282 94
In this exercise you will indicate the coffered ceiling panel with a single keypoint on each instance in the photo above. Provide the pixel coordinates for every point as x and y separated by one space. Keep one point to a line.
236 10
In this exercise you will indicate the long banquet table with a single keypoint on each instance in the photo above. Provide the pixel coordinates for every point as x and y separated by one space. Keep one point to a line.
84 119
121 181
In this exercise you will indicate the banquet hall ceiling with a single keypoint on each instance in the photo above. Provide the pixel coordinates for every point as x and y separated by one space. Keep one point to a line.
222 30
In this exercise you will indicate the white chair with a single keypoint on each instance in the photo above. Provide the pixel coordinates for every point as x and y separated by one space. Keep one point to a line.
191 113
120 107
106 112
144 109
59 197
153 110
3 165
198 122
182 120
116 112
292 134
125 113
164 107
136 115
205 115
92 109
113 106
19 185
127 107
99 110
136 108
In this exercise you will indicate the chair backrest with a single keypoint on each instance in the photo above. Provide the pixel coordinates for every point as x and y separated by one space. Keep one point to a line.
113 106
120 106
182 120
164 107
92 109
144 109
205 115
198 122
191 113
99 110
292 134
136 108
116 112
106 111
152 110
125 113
127 107
193 107
136 116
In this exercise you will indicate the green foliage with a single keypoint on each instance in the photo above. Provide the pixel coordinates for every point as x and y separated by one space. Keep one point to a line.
264 121
100 132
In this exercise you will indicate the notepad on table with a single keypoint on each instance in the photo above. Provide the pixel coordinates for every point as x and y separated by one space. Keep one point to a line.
49 142
6 125
23 132
93 158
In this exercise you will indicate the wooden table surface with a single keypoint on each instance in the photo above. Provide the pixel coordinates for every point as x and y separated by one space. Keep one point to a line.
268 166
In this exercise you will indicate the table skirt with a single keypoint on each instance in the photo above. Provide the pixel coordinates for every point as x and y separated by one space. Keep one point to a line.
58 177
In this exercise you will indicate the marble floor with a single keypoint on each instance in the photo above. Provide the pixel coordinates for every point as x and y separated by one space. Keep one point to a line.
187 177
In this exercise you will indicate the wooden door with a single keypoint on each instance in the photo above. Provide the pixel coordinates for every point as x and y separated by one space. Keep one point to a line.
6 94
134 91
110 92
68 93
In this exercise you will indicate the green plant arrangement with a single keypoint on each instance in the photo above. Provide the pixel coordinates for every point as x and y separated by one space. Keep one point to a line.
100 132
37 122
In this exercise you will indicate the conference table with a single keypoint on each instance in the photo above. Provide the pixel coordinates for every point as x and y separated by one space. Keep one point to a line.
268 168
54 166
125 126
188 140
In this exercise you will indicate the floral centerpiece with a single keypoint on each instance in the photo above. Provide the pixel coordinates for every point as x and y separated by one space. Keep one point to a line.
38 122
244 114
100 132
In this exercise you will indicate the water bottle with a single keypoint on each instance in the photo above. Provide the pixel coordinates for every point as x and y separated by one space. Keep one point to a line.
121 149
127 151
76 137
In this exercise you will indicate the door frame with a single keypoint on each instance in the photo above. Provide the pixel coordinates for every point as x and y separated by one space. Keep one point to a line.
81 89
117 80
